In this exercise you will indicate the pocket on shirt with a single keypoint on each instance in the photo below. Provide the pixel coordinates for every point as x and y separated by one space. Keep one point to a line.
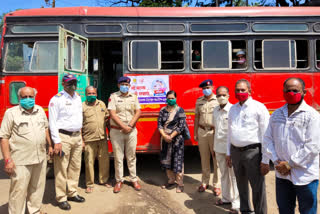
23 128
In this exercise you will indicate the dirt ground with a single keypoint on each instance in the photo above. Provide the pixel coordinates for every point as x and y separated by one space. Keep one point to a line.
150 200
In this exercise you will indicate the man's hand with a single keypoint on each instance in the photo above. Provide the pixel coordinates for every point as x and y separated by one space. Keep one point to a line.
127 130
264 168
229 162
195 137
57 149
167 138
50 151
213 154
10 167
283 168
83 146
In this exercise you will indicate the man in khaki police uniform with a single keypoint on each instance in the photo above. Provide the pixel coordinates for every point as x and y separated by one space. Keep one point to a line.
65 123
24 131
124 111
203 133
95 115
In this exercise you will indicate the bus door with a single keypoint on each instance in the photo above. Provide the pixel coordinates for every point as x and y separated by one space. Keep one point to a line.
73 59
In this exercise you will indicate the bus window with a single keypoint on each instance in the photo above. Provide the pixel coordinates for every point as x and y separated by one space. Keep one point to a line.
76 55
172 55
219 54
280 54
154 55
13 91
44 57
318 54
18 56
144 55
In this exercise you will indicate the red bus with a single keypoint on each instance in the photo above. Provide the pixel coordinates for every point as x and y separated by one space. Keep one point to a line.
156 47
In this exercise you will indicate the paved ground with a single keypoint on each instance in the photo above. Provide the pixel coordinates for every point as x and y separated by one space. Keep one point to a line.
150 200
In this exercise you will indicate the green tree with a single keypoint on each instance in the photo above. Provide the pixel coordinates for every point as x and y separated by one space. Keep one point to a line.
1 23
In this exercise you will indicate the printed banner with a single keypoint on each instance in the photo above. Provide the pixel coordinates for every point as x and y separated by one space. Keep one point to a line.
150 89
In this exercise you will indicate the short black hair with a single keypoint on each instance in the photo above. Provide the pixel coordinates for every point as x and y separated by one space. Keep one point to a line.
295 78
244 81
171 92
222 86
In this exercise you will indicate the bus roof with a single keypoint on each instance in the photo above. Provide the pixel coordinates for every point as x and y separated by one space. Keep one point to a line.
170 11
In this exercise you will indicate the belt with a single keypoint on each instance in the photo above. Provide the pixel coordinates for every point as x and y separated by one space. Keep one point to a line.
251 146
67 132
205 128
115 127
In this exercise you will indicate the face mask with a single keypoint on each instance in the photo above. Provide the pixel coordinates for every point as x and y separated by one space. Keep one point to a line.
124 89
242 61
222 100
27 103
207 92
171 102
292 98
71 87
242 96
198 58
91 98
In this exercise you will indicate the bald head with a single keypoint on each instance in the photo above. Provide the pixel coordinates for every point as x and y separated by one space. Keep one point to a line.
27 92
295 80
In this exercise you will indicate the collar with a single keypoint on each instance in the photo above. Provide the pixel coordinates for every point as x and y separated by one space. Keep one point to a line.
226 107
68 95
212 98
303 107
246 103
34 110
121 95
97 102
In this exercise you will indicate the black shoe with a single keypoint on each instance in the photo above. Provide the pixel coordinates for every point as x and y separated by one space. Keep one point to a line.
77 198
64 205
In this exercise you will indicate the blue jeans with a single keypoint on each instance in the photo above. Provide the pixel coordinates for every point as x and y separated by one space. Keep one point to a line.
287 192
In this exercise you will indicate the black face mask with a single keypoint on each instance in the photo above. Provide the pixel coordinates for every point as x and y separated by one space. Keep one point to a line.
71 87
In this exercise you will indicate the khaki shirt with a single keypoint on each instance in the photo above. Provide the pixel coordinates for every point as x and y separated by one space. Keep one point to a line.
26 133
94 121
125 106
204 108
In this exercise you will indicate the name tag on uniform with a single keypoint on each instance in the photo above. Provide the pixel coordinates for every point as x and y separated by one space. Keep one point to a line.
68 104
120 101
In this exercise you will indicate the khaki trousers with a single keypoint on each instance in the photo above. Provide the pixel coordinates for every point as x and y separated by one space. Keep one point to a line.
27 186
229 187
92 150
206 149
67 168
124 144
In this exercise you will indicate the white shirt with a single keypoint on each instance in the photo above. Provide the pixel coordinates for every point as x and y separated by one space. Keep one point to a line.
220 122
65 112
295 139
247 124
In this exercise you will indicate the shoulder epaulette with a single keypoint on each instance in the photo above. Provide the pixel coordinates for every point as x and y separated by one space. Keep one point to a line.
58 95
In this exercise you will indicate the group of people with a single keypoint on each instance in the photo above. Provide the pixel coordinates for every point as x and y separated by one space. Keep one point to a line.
241 139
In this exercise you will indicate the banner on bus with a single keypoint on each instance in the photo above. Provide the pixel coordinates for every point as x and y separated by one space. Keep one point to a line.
150 89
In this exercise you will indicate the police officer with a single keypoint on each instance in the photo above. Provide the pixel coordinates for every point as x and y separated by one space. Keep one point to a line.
24 131
95 115
65 122
203 133
124 112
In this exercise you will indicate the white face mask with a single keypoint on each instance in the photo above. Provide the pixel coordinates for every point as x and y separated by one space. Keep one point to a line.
223 100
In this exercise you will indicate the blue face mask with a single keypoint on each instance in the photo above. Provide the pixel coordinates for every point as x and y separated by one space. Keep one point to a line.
124 89
27 103
207 92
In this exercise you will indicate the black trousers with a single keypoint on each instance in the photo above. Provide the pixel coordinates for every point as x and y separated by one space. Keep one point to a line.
246 165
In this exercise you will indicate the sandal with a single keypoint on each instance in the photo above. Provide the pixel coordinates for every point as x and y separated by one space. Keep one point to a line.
89 190
220 203
216 191
179 189
168 186
203 187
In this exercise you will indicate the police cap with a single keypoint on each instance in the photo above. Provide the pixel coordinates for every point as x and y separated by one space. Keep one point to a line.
124 79
69 77
205 83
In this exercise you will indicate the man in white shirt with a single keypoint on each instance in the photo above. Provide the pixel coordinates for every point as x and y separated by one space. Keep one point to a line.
229 187
65 123
247 122
292 142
